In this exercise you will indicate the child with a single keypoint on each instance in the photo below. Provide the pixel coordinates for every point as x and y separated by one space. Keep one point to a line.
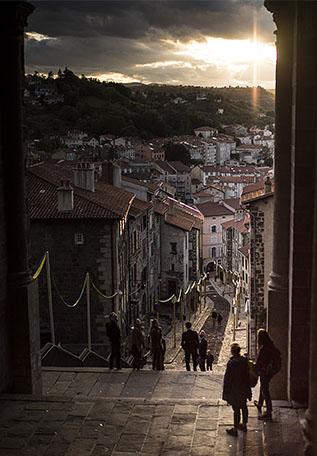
210 360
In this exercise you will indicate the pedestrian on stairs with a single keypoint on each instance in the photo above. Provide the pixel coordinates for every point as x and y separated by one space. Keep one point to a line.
202 350
214 316
210 360
190 344
267 365
156 344
236 389
114 335
137 344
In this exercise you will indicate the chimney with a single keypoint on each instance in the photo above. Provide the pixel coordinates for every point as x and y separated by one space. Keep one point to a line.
65 197
111 174
267 185
84 176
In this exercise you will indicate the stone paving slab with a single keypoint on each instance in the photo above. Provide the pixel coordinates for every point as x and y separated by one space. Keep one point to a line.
156 425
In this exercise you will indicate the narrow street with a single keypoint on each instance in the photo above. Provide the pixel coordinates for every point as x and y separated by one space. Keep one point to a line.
214 335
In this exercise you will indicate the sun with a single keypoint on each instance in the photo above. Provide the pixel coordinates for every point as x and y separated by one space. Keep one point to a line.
220 51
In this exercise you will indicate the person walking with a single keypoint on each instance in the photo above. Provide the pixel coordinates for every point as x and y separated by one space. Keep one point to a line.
268 363
156 344
210 360
214 318
137 344
236 389
114 335
219 319
202 349
190 344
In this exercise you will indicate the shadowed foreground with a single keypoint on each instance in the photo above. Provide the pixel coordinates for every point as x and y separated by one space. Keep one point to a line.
97 412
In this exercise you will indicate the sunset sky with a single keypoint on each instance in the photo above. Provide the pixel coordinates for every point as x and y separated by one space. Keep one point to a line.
189 42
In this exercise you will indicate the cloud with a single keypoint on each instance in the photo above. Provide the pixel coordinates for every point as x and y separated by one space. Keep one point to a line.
137 37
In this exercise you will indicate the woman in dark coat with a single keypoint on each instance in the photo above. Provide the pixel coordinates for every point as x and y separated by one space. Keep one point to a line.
262 366
236 389
137 344
156 344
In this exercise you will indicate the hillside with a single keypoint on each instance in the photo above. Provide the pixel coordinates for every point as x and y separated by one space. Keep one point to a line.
56 104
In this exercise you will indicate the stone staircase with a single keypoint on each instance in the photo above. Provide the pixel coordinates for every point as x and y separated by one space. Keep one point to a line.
94 412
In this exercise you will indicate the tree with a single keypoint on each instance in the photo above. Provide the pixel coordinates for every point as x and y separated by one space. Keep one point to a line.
177 152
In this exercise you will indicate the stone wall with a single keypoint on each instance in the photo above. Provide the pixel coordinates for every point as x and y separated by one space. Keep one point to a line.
69 264
261 213
170 234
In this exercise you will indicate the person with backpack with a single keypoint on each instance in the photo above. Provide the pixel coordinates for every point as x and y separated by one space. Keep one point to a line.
267 365
236 389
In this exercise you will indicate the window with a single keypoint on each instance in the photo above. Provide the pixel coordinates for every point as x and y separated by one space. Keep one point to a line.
173 248
214 229
79 238
143 226
134 273
173 267
213 252
134 241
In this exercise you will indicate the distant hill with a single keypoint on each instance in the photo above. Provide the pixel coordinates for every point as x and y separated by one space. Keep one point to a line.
67 101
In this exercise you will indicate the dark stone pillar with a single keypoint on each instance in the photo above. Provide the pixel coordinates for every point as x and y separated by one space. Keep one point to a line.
22 300
278 311
303 187
310 422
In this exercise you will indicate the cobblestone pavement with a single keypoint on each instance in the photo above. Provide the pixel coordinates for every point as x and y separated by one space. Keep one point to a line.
138 413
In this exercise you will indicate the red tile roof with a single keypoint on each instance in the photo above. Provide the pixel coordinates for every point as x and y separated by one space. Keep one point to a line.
138 207
211 209
239 225
233 202
245 250
43 181
179 214
179 166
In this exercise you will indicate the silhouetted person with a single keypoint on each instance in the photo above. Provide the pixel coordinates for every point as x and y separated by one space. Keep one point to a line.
156 344
190 344
202 351
266 366
236 389
137 344
219 319
214 318
114 335
210 360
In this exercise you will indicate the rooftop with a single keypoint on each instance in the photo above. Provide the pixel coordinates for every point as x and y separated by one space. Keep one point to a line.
210 209
107 202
